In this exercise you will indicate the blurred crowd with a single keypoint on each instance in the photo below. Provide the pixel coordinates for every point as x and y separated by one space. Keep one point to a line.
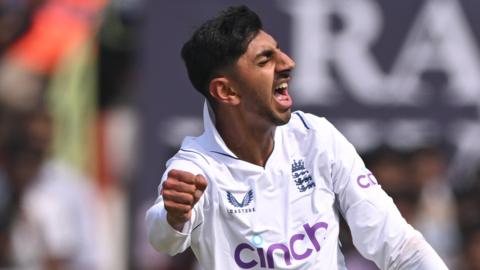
67 131
67 141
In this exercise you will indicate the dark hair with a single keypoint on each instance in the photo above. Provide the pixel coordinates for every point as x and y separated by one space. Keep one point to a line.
218 43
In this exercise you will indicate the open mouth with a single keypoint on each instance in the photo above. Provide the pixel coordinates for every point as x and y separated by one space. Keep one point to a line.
281 95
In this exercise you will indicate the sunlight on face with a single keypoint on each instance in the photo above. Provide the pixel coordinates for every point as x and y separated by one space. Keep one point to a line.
261 76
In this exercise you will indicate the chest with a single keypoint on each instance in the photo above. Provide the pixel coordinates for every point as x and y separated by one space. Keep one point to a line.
294 189
280 216
275 195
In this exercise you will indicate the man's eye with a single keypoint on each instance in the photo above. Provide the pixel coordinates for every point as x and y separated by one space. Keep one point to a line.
263 62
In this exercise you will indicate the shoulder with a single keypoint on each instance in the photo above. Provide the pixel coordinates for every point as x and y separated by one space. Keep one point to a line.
310 123
317 130
190 157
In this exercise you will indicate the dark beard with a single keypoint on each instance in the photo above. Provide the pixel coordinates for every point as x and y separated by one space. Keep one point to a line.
277 121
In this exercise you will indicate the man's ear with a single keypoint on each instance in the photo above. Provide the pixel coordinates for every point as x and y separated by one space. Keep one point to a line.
221 90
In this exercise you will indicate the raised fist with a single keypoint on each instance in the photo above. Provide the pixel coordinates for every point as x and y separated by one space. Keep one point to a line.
181 191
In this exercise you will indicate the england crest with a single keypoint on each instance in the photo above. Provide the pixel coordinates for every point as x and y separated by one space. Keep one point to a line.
301 176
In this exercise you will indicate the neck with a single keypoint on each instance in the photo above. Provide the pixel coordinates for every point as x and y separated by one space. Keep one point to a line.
249 142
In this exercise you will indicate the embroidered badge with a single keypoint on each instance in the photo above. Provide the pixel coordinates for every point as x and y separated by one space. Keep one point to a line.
247 199
241 206
301 176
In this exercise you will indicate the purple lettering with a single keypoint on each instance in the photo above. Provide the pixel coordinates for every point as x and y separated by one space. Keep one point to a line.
295 255
261 254
238 260
374 180
311 233
286 254
360 183
268 261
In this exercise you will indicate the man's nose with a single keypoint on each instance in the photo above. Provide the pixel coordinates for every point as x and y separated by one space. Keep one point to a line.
284 62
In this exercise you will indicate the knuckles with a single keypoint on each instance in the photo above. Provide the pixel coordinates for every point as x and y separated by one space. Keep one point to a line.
173 207
175 184
181 190
183 198
200 182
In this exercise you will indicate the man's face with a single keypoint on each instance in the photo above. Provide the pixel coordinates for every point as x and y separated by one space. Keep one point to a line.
261 77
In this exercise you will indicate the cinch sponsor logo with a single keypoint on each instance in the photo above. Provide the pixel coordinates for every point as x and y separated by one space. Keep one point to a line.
265 258
366 180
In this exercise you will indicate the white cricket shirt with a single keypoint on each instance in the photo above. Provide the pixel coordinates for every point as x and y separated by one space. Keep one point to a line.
286 215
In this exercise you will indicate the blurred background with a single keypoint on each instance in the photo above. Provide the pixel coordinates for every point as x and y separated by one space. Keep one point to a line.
94 99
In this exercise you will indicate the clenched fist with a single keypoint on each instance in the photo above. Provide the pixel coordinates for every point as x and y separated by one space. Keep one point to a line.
181 191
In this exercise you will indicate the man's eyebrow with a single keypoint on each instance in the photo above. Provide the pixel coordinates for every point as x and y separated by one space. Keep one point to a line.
266 52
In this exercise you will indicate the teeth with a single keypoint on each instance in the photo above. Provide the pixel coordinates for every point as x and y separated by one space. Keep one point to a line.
281 86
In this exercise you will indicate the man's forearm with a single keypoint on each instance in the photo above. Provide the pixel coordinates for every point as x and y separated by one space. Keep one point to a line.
417 254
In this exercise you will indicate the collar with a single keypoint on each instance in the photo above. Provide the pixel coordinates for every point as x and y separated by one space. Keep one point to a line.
211 136
214 142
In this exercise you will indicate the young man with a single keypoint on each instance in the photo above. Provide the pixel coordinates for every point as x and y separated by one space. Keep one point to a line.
277 181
